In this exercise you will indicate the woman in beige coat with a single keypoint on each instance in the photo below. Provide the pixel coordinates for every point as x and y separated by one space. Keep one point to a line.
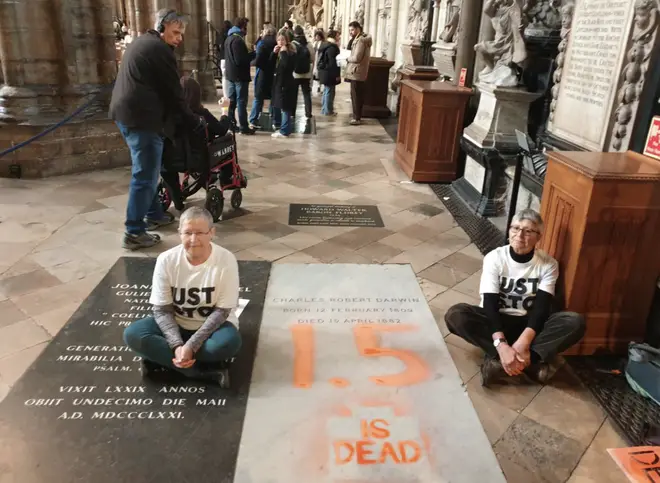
358 68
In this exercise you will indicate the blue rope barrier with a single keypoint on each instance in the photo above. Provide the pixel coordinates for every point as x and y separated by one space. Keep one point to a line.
59 124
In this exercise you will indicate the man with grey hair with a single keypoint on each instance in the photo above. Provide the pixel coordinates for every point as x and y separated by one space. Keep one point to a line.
514 325
147 100
193 329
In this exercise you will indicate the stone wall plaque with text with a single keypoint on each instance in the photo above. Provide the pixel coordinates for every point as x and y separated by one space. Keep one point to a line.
591 73
83 412
335 215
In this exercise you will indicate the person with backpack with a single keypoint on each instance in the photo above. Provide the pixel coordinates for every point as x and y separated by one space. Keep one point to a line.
329 72
263 80
237 70
303 69
284 85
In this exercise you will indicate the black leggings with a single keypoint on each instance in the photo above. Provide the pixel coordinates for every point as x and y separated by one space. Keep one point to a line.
171 179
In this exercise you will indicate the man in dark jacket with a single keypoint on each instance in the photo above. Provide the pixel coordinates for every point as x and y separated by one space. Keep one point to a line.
263 80
146 97
329 72
237 71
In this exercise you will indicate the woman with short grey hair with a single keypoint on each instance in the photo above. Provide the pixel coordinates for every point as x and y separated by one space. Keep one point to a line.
514 325
193 329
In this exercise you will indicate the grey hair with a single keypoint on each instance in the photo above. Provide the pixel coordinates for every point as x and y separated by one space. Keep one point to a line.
196 212
167 16
270 30
530 215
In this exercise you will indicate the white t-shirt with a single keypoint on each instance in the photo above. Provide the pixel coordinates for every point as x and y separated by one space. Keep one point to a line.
195 291
517 283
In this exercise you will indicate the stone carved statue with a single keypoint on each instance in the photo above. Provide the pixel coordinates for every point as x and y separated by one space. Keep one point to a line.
507 50
451 28
566 24
307 12
359 14
414 20
645 31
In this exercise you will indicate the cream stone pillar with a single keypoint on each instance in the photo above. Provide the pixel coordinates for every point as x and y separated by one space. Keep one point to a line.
436 20
195 47
260 18
372 6
394 31
268 7
215 12
327 14
249 13
230 10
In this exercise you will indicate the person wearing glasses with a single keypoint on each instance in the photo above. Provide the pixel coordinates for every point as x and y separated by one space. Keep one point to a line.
194 293
515 325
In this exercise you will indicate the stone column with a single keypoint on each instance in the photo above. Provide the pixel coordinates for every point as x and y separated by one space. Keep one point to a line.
144 14
468 32
394 30
32 54
327 14
230 10
215 12
268 7
195 47
260 18
436 20
372 5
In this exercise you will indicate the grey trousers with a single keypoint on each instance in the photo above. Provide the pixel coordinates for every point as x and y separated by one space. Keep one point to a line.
561 331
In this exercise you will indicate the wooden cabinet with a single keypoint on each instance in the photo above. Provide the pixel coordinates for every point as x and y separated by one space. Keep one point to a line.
377 88
430 126
602 224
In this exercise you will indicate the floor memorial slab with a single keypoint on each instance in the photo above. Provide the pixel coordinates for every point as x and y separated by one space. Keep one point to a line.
83 413
353 383
335 215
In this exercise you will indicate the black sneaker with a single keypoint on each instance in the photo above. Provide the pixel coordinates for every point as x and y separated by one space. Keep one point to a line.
248 132
218 375
167 219
491 371
541 372
143 240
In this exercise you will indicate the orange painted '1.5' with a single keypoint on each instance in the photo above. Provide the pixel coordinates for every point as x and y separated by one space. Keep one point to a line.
367 341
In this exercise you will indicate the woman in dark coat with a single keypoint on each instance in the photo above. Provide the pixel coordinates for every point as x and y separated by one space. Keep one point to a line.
263 80
284 86
329 72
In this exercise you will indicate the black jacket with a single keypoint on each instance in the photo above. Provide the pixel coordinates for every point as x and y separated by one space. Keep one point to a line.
284 85
265 62
330 75
215 127
237 57
147 93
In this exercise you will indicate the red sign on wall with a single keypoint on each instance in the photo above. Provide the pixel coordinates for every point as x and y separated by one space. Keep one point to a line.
652 146
461 79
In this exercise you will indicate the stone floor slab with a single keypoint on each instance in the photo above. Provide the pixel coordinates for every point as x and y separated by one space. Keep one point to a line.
353 382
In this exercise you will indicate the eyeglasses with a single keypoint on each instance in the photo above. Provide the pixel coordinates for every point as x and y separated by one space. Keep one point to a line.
525 232
189 234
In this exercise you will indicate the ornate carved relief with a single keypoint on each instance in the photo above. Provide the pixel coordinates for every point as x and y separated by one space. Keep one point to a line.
644 36
359 13
448 35
307 12
418 20
507 49
566 23
543 17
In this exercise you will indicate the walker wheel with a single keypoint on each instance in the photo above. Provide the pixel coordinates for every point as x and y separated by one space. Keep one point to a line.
215 203
164 196
236 199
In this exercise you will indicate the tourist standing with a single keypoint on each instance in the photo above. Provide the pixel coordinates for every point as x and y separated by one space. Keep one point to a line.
226 27
146 98
263 80
329 72
284 85
303 70
237 69
319 38
358 68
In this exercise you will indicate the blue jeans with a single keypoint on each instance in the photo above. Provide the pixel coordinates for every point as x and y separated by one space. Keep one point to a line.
145 338
283 119
146 157
257 107
238 96
328 100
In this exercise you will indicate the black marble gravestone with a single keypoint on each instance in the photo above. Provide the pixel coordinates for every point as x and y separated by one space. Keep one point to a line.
83 413
335 215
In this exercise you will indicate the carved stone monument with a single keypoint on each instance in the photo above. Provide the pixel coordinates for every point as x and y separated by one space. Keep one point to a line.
602 68
444 50
490 141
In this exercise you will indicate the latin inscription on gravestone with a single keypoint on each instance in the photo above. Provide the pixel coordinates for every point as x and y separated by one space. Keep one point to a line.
83 412
590 77
335 215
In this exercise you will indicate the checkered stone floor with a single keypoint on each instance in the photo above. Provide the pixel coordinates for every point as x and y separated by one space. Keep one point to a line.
59 236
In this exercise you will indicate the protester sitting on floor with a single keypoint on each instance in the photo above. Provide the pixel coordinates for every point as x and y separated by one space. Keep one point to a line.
194 292
514 325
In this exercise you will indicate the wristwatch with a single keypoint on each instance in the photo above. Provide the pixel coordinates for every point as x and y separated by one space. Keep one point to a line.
499 341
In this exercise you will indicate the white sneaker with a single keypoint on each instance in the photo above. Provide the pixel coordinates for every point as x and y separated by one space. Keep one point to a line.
278 135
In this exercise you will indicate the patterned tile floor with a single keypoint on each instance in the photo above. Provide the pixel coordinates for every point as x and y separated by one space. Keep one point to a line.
59 236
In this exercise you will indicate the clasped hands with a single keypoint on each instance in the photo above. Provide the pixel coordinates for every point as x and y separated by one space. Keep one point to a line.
183 357
515 358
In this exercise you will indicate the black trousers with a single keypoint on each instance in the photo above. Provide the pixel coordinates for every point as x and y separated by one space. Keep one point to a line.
306 86
171 179
561 331
358 90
